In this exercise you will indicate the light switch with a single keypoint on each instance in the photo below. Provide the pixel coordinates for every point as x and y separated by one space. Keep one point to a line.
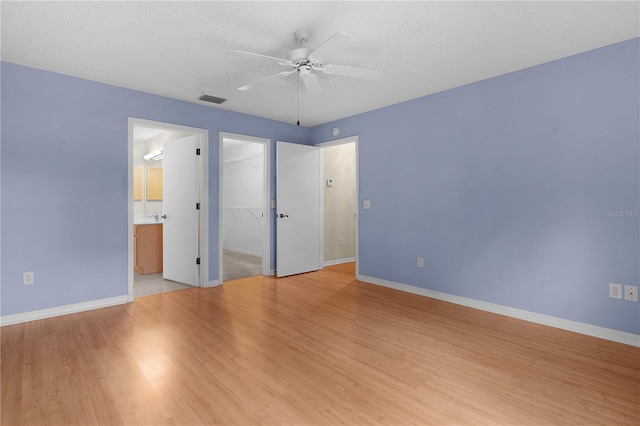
366 204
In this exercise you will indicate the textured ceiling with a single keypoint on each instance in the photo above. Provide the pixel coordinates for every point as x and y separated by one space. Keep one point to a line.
185 49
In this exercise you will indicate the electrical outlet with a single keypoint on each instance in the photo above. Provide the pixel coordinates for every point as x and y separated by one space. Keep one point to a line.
631 293
341 241
421 262
27 278
615 291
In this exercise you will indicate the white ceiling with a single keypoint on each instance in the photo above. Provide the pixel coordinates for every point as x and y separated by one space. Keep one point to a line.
143 134
185 49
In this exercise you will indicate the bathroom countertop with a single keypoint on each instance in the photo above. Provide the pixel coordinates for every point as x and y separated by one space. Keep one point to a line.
146 221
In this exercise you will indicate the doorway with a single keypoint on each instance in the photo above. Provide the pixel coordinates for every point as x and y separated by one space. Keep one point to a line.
149 144
244 206
301 186
339 204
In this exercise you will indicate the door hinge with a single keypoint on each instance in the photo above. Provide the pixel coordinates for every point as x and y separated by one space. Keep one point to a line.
197 151
197 260
197 206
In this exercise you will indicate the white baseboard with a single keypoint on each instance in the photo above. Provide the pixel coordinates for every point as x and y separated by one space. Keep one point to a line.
339 261
62 310
243 251
578 327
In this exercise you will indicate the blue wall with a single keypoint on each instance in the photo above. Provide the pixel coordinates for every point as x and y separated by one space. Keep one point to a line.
64 182
503 187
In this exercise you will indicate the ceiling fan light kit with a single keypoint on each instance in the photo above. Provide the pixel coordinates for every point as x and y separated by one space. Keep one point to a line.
308 62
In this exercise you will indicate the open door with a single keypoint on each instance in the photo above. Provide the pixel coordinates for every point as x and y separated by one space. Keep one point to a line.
181 213
298 209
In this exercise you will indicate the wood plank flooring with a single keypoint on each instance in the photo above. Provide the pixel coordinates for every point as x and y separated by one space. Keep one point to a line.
313 349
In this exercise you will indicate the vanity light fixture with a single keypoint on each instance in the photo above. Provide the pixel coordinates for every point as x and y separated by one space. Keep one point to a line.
154 155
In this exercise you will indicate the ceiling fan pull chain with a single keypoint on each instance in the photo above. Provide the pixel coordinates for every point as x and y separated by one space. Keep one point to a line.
298 92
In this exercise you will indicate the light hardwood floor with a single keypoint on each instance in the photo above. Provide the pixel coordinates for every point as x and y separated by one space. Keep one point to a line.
318 348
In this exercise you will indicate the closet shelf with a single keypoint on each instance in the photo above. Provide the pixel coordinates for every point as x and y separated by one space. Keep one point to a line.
242 158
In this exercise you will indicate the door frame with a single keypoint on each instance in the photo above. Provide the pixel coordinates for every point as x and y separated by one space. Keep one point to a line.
327 144
266 222
203 193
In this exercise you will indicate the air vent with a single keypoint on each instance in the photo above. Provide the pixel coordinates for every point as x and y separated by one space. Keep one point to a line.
212 99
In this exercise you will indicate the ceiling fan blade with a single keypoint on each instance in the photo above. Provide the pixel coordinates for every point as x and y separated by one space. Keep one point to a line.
336 43
273 58
312 85
354 72
254 83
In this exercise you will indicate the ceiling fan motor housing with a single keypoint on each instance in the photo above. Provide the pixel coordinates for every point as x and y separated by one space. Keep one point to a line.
299 55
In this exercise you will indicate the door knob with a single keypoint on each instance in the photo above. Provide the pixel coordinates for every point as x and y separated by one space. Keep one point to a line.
283 215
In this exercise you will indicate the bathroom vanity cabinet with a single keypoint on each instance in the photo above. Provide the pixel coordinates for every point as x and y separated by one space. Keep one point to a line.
147 248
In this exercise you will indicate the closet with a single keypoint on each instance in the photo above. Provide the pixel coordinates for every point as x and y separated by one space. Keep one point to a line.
243 198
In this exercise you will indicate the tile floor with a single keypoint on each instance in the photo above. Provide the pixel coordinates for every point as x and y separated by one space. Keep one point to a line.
145 285
236 265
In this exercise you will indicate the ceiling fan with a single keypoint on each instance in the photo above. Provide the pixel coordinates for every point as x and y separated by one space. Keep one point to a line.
307 62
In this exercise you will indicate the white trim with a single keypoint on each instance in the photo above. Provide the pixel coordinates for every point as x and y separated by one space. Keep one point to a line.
63 310
355 139
335 142
203 143
204 208
321 207
130 207
266 222
564 324
339 261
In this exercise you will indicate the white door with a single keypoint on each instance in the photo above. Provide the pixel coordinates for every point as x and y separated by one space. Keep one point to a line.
298 209
181 218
